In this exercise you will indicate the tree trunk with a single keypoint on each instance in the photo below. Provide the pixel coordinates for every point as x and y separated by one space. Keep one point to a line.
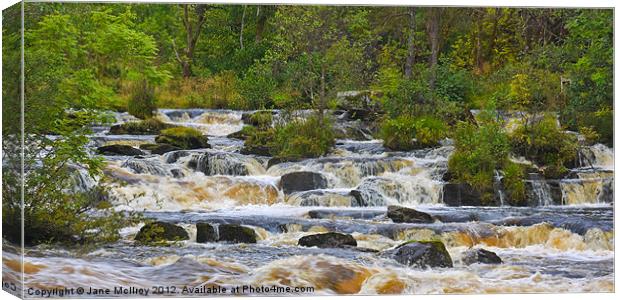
433 33
261 20
192 34
410 44
242 25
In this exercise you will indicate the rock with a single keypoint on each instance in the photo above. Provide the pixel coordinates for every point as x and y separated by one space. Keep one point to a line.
146 127
161 231
278 160
236 233
256 150
184 138
205 233
422 254
400 214
461 194
472 256
302 181
119 150
328 240
159 148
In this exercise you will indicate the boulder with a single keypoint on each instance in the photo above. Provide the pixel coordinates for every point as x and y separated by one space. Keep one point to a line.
236 233
328 240
205 233
302 181
400 214
159 148
119 150
422 254
279 160
472 256
462 194
161 231
256 150
184 138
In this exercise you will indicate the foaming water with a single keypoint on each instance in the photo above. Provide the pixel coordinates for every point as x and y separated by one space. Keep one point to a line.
545 248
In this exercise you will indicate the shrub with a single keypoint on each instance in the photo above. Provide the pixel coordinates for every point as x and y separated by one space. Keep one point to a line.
589 134
546 144
148 126
261 119
479 151
514 174
183 137
399 133
312 137
142 101
407 133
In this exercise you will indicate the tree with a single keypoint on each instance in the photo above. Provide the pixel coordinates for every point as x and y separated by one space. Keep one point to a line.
193 18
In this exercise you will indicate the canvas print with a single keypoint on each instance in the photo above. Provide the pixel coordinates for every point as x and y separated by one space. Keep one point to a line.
201 150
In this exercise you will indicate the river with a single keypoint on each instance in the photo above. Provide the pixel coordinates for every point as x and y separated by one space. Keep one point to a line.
553 245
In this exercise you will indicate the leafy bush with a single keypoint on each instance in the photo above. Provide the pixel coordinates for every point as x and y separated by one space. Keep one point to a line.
261 119
399 133
589 134
407 133
546 144
148 126
257 87
183 137
514 174
142 102
311 137
479 152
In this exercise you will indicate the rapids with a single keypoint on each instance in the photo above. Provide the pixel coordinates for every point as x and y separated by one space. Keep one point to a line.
562 242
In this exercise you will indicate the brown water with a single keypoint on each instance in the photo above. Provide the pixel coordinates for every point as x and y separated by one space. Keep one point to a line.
545 249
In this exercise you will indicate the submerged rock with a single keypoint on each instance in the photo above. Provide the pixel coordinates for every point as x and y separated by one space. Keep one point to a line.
119 150
472 256
302 181
422 254
236 233
161 231
159 148
328 240
205 233
400 214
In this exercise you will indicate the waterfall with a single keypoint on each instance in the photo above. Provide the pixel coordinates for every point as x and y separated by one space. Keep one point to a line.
224 163
541 192
596 156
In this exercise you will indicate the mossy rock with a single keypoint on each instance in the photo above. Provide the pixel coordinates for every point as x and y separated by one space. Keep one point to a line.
205 233
145 127
400 214
184 138
236 234
157 232
422 254
472 256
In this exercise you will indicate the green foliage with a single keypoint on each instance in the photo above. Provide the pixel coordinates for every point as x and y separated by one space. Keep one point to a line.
148 126
261 119
407 133
546 144
589 134
311 137
513 182
142 102
479 152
